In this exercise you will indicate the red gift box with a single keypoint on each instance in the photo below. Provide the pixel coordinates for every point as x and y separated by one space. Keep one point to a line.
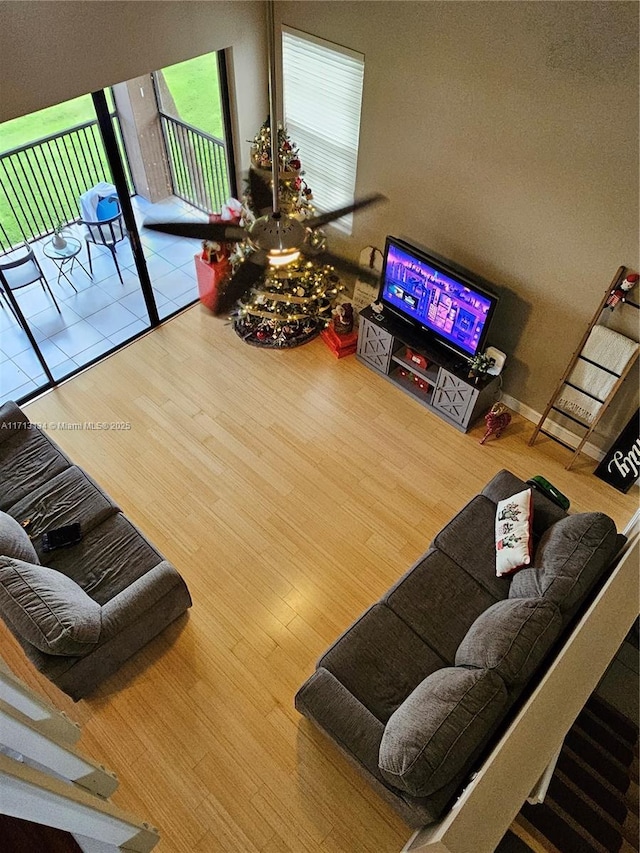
417 359
340 345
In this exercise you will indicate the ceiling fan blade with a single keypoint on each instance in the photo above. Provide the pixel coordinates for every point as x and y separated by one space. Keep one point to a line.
261 193
217 232
343 265
331 216
242 280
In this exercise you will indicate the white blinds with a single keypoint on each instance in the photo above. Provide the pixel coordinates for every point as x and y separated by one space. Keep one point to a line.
322 97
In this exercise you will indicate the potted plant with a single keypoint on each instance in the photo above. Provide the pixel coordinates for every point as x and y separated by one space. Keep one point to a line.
58 240
479 366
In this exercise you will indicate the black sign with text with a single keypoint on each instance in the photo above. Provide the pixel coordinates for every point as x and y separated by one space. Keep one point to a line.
621 464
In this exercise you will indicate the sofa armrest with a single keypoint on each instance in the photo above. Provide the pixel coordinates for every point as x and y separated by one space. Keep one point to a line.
326 701
125 608
12 418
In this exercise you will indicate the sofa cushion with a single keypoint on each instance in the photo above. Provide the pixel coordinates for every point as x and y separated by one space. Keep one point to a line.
440 727
108 559
571 556
439 601
69 496
511 637
514 517
380 660
47 608
14 540
27 460
469 540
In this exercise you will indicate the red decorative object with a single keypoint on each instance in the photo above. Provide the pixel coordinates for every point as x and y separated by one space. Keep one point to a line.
496 419
421 383
416 358
340 345
210 277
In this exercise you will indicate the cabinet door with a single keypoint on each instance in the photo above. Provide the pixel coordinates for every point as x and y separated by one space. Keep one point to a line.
375 345
454 397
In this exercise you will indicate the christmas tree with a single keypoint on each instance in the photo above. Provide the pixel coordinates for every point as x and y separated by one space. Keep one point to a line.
291 304
294 195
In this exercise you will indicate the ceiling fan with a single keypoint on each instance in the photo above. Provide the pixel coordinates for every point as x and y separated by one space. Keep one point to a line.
276 237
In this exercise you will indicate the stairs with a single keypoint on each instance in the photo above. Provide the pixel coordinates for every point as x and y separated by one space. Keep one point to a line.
592 802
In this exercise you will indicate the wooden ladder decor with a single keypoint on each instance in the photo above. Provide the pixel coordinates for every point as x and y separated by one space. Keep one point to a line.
567 385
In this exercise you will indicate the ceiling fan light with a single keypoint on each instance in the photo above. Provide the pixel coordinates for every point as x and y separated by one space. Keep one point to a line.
282 257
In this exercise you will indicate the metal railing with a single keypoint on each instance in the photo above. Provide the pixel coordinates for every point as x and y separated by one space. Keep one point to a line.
198 164
40 183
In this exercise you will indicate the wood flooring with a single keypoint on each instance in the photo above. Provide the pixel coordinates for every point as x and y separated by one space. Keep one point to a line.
290 489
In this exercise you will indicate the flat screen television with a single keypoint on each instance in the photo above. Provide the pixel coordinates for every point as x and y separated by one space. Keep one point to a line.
445 301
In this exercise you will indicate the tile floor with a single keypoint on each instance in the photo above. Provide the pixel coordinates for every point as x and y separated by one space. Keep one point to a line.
103 313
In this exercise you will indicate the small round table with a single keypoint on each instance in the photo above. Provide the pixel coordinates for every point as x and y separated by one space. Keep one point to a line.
67 254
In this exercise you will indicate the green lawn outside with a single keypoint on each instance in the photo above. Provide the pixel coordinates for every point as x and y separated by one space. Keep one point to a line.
195 92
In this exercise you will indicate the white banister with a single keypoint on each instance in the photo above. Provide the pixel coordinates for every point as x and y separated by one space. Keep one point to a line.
17 733
31 794
48 719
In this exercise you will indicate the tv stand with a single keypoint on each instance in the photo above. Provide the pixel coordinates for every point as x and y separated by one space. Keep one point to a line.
397 351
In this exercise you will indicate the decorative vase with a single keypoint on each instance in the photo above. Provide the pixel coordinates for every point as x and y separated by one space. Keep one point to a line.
58 241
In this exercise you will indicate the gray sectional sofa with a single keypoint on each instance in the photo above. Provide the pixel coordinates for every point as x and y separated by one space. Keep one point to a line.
420 685
78 612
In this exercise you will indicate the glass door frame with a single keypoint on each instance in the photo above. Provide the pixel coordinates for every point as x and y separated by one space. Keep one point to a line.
116 166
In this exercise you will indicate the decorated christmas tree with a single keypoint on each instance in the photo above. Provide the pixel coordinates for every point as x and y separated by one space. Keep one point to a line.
290 304
294 194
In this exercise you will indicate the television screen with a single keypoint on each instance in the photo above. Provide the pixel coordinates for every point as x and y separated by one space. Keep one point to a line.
437 296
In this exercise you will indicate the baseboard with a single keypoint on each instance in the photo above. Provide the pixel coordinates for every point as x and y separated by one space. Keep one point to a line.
555 429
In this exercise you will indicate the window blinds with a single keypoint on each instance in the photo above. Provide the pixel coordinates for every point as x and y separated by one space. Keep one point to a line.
322 98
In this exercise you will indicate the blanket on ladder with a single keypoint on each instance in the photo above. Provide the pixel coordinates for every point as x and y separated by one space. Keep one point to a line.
612 352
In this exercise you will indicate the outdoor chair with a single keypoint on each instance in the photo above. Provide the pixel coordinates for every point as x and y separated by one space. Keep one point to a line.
107 229
19 267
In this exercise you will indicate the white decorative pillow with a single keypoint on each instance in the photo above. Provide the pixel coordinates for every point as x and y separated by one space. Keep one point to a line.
514 516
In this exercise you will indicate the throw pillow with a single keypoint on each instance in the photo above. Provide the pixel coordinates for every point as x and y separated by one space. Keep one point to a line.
14 541
439 727
571 556
514 517
511 637
47 608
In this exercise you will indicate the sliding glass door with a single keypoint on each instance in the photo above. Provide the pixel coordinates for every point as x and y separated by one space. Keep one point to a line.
77 183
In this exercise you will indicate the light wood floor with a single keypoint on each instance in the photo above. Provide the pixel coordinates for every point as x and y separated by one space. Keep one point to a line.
290 489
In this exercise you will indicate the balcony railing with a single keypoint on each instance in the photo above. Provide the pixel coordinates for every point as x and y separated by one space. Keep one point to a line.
198 164
40 183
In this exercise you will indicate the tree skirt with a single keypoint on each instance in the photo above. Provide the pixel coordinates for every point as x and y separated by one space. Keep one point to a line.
277 335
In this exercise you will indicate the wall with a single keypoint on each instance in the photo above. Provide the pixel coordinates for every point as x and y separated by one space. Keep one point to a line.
505 136
53 51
